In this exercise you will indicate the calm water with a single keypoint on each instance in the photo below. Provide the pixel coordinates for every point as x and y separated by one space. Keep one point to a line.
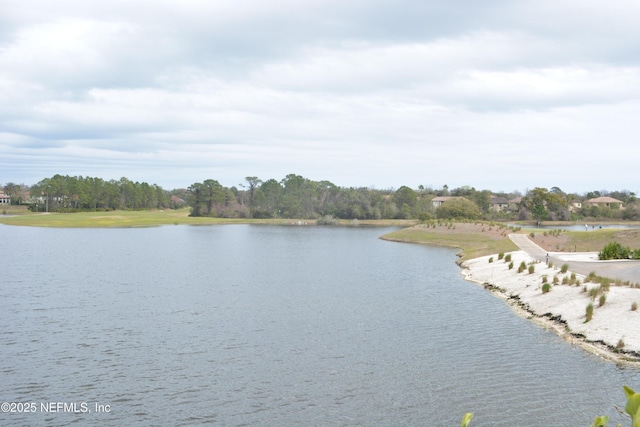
275 326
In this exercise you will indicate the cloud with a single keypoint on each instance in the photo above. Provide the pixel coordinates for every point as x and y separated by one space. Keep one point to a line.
357 92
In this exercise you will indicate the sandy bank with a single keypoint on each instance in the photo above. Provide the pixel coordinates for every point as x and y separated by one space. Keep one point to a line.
564 307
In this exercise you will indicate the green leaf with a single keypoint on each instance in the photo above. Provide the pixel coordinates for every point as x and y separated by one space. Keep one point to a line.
466 419
633 406
600 421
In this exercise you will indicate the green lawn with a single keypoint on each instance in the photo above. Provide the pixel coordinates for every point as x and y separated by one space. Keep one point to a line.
473 240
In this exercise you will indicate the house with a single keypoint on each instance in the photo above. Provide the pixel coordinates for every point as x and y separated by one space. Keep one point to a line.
605 201
499 203
438 201
4 199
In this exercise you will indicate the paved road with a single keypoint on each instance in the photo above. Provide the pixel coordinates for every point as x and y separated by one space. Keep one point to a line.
624 270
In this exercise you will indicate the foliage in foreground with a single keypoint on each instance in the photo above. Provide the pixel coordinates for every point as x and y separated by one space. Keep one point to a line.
615 250
632 409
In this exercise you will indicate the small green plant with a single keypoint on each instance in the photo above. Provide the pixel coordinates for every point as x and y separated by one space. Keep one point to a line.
501 255
544 278
532 268
522 267
602 300
632 409
564 268
600 421
589 313
634 306
507 258
556 280
565 280
510 265
490 259
546 287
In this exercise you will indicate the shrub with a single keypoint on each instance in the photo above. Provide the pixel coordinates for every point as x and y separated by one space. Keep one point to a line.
593 293
634 306
544 278
507 258
510 265
614 250
522 267
556 280
490 259
620 344
532 268
564 268
589 313
328 220
602 300
501 255
546 288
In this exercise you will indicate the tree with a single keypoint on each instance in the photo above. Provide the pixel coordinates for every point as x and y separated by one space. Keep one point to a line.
253 182
405 199
458 209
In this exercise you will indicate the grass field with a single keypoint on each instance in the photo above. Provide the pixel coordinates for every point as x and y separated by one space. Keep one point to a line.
473 239
153 218
480 239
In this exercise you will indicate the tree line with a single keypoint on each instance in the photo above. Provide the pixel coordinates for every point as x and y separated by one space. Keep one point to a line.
76 193
295 196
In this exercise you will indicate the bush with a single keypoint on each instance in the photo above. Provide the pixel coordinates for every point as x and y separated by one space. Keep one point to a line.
522 267
614 250
602 300
546 288
328 220
510 265
532 268
458 209
501 255
589 313
634 306
564 268
490 259
507 258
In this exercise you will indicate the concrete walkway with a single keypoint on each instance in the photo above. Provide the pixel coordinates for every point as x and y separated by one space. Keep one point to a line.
581 262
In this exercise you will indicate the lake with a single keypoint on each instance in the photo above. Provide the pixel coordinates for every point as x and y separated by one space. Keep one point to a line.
247 325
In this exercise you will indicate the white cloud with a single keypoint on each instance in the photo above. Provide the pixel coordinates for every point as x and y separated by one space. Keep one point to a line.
359 93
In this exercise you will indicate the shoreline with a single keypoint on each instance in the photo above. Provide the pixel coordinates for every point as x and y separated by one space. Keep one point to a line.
563 308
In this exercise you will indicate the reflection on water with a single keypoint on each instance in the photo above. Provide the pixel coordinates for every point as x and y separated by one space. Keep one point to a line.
283 326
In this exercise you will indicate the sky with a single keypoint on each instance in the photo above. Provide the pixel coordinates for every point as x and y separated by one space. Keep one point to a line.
501 95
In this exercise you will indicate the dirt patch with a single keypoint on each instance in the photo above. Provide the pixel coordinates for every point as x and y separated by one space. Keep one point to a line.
552 243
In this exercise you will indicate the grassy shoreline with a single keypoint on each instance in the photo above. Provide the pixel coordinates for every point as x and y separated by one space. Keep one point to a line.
151 218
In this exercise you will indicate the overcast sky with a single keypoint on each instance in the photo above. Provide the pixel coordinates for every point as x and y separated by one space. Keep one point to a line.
497 94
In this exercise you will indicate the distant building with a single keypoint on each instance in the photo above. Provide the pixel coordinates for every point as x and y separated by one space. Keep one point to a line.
4 199
499 203
440 200
605 201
